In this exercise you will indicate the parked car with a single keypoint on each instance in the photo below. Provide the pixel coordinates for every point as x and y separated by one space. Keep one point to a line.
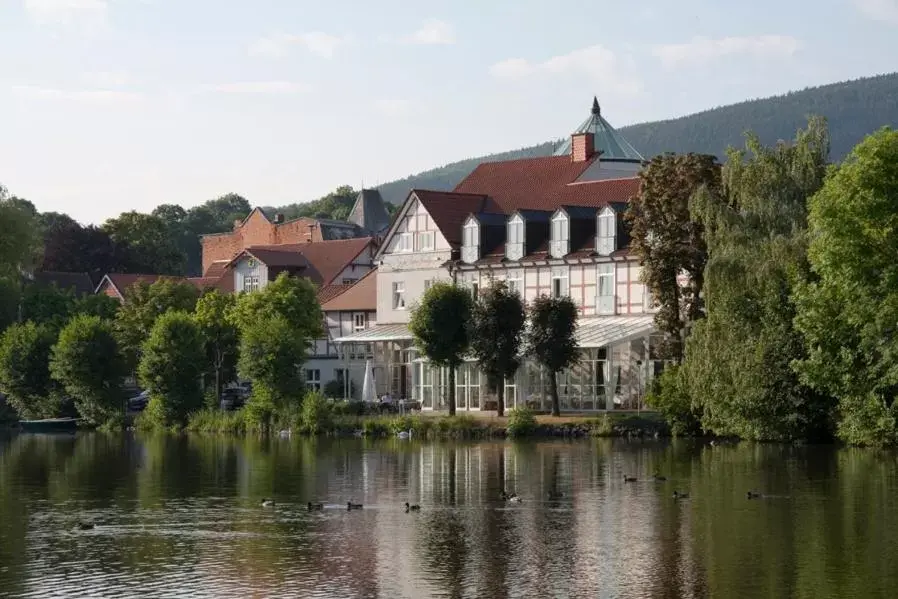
139 401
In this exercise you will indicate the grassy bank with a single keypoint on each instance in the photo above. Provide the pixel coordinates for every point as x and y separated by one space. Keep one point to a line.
435 426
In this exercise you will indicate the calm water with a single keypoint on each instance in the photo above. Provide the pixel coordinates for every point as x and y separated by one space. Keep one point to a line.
181 517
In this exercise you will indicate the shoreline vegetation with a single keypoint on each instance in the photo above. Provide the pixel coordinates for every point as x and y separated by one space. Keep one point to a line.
772 278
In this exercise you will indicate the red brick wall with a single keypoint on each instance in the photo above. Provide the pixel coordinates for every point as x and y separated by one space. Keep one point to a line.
582 147
298 231
257 230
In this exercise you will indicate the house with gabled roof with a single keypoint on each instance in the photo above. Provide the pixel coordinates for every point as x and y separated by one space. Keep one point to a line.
547 226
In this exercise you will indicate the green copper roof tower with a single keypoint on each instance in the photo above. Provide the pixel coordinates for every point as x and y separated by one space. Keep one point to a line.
611 143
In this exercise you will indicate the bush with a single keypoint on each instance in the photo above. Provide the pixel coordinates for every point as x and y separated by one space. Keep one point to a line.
315 416
521 422
349 408
867 421
335 389
669 395
25 371
217 421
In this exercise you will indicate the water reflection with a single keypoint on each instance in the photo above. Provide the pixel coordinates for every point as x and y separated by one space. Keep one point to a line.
180 516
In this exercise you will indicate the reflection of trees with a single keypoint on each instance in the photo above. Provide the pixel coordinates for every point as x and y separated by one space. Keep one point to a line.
444 551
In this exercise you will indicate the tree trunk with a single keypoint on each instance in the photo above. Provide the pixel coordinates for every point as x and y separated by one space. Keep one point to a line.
553 389
451 395
500 398
218 386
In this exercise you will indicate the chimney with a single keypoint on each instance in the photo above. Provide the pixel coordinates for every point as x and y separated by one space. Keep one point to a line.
583 146
278 219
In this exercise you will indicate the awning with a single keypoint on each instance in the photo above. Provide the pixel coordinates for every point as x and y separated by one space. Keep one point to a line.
606 330
379 332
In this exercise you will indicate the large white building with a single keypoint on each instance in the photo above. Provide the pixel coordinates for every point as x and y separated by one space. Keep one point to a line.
548 226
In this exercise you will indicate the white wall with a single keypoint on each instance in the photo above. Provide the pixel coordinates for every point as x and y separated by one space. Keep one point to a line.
242 269
412 268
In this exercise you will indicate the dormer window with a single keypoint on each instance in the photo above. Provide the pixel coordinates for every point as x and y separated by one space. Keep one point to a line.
470 247
514 246
559 245
606 237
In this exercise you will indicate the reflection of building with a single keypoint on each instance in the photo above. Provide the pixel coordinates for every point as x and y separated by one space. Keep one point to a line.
547 226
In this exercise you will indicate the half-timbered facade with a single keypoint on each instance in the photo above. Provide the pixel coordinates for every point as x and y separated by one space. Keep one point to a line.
547 226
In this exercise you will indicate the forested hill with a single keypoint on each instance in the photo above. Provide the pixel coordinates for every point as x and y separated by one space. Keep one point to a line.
853 108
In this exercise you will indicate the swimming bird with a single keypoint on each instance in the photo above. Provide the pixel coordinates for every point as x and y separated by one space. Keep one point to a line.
267 502
753 495
629 479
503 495
678 495
659 477
555 494
513 498
412 508
85 526
353 506
404 434
315 506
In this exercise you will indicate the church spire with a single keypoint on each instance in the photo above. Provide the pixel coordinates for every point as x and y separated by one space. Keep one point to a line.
595 106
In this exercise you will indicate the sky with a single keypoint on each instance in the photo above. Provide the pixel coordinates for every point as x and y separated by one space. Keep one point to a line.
114 105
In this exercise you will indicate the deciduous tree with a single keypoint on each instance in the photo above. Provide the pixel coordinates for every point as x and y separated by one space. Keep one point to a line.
170 369
220 337
497 326
145 303
550 340
152 246
848 313
669 241
439 325
24 370
87 363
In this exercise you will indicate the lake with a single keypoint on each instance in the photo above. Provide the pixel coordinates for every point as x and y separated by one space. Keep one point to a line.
182 517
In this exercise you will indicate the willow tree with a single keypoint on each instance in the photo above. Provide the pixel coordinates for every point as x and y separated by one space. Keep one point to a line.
738 360
849 314
669 242
439 325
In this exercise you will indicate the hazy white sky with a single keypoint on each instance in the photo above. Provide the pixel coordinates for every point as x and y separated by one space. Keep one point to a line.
110 105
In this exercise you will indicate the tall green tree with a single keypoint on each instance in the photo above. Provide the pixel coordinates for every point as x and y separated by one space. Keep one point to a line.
497 326
144 303
87 362
293 298
24 370
19 244
849 310
47 304
550 340
171 366
440 326
669 241
152 245
738 366
220 336
271 354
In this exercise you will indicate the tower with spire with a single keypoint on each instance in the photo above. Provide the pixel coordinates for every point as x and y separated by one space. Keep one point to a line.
611 144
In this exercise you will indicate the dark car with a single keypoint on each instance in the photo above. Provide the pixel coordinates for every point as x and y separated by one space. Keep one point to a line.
138 402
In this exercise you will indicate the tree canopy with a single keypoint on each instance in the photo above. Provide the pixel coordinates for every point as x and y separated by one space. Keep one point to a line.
440 326
848 310
550 340
497 325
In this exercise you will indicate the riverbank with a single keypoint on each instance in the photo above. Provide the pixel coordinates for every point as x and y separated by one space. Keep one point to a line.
438 426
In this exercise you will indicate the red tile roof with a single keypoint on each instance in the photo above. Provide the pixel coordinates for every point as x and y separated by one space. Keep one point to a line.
331 291
216 269
323 260
449 209
544 183
361 296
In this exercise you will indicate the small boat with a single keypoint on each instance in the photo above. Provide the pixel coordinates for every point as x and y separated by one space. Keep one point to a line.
50 425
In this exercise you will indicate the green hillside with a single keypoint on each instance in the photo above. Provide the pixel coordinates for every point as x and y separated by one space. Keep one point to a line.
853 108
